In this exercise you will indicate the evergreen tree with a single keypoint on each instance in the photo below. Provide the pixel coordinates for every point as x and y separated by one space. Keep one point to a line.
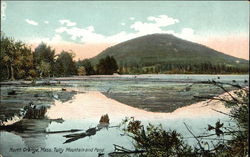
107 66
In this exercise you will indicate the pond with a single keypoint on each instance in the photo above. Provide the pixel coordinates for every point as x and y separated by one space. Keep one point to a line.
155 99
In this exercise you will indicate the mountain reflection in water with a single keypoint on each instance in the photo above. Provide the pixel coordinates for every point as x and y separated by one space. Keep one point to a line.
90 106
119 97
84 111
95 104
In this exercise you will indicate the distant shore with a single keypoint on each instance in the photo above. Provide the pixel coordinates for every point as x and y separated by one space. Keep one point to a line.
142 77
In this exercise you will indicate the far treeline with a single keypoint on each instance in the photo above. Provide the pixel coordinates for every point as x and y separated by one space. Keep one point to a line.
182 68
19 61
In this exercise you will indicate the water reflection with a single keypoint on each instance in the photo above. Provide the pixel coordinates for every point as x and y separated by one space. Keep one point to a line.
92 105
31 131
11 105
163 97
83 113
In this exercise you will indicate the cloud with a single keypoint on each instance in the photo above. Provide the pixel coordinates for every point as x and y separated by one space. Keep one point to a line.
56 38
84 34
163 20
53 40
46 22
132 18
31 22
151 26
120 37
67 22
154 24
88 35
61 29
89 40
186 33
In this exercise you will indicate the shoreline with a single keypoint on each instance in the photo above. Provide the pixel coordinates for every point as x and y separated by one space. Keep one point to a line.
140 77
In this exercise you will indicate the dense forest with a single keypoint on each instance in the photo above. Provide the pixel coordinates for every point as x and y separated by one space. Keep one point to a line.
182 68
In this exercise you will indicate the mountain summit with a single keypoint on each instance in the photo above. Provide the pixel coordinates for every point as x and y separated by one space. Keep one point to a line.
165 53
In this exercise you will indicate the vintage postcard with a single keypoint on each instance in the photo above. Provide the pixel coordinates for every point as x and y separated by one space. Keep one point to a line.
124 79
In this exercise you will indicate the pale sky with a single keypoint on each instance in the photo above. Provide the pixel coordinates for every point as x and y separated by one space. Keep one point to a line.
88 27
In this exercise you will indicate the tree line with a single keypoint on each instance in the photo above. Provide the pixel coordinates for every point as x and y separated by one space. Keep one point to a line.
182 68
19 61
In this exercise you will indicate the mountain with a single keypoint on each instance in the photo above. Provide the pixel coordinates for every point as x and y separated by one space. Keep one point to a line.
165 53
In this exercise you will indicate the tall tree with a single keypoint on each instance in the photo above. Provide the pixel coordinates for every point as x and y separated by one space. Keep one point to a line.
26 69
113 65
107 66
44 54
65 66
16 59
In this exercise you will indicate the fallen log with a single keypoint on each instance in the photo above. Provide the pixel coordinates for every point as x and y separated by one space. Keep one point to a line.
58 120
75 137
63 131
103 123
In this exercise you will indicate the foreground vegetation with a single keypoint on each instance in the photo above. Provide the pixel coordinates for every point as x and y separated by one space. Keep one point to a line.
221 141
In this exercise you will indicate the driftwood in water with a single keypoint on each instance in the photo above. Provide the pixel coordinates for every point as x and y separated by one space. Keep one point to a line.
103 123
58 120
63 131
74 137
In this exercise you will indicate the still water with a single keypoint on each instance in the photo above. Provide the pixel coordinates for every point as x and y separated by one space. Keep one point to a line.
84 110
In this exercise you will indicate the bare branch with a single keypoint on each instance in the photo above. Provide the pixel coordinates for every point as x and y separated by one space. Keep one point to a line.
222 112
194 137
